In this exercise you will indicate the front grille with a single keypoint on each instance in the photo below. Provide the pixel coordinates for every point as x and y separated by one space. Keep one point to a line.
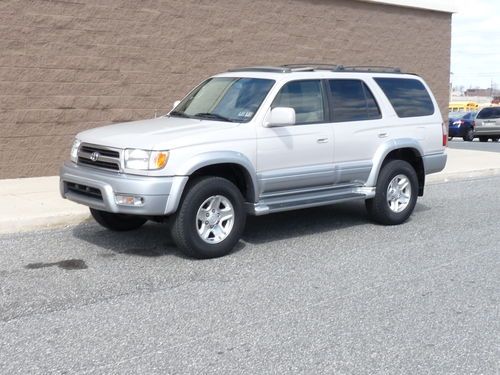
102 151
84 190
99 157
99 164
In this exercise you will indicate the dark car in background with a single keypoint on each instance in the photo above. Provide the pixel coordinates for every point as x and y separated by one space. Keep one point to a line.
488 124
462 124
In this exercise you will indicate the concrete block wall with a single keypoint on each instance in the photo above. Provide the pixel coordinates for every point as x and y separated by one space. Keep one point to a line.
67 66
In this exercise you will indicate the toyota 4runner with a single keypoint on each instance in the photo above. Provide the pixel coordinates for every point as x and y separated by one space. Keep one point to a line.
261 140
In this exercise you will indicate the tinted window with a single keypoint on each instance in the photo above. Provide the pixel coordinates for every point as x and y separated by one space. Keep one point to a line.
408 96
352 101
490 112
306 97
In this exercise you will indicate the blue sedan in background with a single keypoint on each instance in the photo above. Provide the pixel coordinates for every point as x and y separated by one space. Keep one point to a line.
462 124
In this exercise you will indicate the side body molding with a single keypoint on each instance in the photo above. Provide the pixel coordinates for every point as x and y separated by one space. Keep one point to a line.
221 157
384 150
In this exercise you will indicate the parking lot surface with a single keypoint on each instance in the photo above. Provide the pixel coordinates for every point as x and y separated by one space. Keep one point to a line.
489 146
312 291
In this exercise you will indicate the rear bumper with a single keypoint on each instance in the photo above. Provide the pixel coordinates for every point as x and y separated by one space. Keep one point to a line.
457 131
487 130
98 189
434 162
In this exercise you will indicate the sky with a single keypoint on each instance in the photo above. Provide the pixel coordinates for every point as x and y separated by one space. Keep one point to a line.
475 44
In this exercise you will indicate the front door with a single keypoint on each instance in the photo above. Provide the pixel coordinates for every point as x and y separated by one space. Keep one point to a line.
300 155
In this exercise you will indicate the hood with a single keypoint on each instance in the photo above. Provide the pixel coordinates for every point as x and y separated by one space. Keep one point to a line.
153 134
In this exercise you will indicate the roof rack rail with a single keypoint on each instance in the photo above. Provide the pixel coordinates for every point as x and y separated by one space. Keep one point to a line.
288 68
368 68
266 69
311 66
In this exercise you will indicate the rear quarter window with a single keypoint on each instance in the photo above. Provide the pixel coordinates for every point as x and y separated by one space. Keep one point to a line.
409 97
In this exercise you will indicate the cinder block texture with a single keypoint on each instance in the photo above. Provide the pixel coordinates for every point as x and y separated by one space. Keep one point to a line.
67 66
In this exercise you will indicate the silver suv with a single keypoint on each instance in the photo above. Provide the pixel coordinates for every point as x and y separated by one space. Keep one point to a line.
261 140
488 124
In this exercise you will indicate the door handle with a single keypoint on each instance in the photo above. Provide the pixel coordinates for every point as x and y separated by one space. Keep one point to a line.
382 135
322 140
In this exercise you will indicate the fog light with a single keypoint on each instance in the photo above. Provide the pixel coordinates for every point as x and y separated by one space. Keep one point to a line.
129 200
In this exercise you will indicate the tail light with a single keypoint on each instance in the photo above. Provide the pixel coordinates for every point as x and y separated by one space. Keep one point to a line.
445 135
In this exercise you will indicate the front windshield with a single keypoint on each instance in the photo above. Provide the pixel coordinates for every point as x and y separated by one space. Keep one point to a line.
225 99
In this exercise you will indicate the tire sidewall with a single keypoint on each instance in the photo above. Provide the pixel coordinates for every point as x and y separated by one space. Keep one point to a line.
391 170
117 222
469 135
197 194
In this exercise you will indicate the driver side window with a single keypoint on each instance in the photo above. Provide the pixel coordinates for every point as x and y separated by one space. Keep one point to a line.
306 98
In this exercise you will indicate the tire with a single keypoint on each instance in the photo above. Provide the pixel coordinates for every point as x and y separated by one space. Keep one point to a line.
205 198
379 208
483 139
469 135
117 222
495 139
450 138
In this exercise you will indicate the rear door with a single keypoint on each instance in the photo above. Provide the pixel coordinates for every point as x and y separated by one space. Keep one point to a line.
357 126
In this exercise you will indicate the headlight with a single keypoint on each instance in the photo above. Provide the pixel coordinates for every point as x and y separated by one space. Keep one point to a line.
457 123
145 160
74 150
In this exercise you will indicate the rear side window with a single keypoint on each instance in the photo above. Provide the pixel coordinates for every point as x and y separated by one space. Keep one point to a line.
490 112
409 97
305 97
352 100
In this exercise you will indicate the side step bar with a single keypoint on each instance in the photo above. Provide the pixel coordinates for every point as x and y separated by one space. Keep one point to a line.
288 202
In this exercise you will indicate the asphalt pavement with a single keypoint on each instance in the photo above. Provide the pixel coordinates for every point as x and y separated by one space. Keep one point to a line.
307 292
459 144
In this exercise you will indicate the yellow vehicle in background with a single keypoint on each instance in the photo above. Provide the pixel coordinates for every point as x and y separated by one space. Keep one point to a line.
462 106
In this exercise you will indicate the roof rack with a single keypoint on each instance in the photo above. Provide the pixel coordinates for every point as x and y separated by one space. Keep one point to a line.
311 66
266 69
343 68
368 68
288 68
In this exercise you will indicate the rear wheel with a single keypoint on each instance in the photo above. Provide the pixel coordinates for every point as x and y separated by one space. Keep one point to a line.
396 193
210 220
469 135
495 139
483 139
117 222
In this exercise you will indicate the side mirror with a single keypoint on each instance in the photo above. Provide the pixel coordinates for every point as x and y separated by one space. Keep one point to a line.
176 103
281 116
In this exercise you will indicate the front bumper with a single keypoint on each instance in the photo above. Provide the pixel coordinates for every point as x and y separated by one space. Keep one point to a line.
98 189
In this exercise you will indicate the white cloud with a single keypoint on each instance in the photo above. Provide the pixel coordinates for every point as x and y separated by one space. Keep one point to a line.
475 51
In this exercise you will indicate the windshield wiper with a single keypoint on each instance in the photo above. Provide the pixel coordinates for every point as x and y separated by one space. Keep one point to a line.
213 116
179 114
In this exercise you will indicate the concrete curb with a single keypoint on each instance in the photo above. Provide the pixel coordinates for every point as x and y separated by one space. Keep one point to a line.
443 177
32 223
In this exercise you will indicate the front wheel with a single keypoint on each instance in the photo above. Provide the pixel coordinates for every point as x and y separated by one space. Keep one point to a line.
495 139
469 135
117 222
483 139
211 218
396 193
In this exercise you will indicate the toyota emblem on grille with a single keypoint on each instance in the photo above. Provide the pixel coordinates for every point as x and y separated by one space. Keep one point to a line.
94 156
